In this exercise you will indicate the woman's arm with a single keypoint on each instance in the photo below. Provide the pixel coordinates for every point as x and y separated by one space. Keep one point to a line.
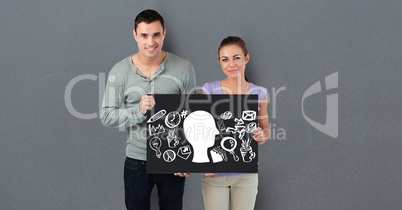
261 134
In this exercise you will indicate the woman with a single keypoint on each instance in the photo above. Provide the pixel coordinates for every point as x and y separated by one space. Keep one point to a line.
236 190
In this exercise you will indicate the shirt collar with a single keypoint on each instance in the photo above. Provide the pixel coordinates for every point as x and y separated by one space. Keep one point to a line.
158 71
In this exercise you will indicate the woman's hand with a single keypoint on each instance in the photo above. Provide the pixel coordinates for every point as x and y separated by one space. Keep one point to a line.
259 135
209 174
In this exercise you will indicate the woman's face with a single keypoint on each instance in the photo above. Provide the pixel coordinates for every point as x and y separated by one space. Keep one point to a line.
233 61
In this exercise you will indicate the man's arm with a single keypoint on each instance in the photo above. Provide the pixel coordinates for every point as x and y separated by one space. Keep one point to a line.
113 112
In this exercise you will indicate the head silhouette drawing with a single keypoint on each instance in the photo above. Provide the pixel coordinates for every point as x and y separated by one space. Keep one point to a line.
200 131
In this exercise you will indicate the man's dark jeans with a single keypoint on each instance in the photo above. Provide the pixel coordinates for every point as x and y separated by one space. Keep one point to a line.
138 187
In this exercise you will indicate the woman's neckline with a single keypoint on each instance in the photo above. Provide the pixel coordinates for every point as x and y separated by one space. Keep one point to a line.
220 86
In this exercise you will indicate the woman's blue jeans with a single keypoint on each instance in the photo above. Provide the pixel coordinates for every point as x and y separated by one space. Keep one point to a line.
138 187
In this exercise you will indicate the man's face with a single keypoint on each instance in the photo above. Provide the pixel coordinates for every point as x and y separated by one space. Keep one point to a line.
149 37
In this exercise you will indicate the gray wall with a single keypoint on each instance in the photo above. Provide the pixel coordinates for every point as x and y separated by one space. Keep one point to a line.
50 159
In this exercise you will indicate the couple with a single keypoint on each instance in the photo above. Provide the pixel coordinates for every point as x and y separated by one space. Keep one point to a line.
127 99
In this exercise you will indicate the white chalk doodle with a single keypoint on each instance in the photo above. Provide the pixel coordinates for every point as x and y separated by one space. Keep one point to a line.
231 147
172 119
200 141
251 127
239 121
157 116
155 143
218 155
231 130
221 125
249 115
241 133
169 155
237 129
184 114
184 152
153 131
226 115
172 138
246 151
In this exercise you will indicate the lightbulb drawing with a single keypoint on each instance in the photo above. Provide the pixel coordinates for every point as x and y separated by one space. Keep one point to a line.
155 144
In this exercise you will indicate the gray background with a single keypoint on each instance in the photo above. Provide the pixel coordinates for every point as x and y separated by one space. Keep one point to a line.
50 159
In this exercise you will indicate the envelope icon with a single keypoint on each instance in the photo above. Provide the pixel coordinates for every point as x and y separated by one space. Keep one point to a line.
249 115
184 152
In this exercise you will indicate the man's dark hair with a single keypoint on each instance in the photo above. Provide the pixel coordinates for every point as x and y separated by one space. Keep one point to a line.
148 16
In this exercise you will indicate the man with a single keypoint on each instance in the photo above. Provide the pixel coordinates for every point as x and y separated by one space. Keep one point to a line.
127 98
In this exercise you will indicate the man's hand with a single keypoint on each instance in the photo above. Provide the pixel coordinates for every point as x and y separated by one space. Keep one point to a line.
146 103
182 174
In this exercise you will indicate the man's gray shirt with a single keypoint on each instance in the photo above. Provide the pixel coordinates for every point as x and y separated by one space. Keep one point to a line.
124 88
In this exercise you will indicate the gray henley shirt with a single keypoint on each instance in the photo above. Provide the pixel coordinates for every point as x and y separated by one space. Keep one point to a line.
124 88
